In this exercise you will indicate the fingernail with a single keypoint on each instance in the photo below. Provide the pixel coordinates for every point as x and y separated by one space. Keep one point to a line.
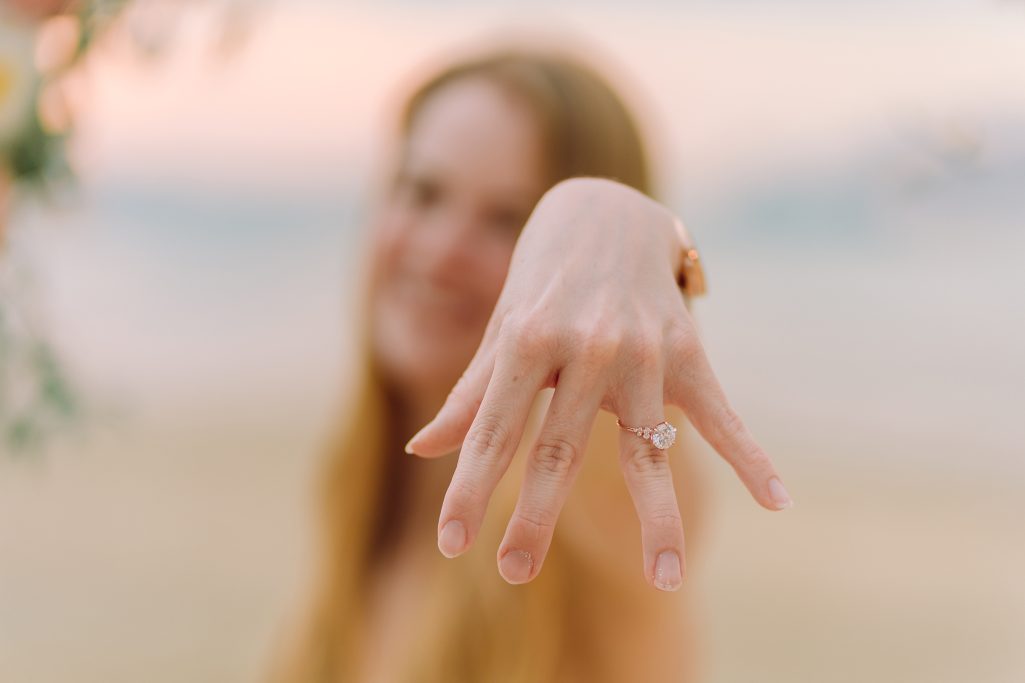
516 565
452 538
779 494
668 576
409 447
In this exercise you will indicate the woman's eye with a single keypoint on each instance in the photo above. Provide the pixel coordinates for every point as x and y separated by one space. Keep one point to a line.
423 193
416 192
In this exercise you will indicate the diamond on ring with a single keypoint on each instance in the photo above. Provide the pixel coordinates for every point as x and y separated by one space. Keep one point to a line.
661 436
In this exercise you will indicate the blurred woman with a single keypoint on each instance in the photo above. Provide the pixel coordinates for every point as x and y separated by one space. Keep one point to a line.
483 148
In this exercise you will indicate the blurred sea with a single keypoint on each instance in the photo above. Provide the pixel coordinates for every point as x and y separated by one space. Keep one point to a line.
878 297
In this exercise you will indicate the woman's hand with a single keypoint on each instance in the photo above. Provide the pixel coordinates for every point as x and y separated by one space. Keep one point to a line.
591 307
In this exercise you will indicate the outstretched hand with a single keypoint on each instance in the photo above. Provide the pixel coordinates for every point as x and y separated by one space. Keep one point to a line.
592 308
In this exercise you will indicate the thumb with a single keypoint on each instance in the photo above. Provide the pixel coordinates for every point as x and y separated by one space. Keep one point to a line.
445 433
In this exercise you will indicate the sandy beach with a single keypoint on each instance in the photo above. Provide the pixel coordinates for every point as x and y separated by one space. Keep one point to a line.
177 553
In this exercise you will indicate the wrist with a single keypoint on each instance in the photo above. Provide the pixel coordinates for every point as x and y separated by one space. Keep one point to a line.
610 194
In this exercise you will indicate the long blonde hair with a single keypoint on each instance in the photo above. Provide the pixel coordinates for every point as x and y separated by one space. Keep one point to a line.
480 627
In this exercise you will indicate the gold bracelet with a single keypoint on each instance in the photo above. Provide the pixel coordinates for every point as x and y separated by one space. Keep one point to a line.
691 277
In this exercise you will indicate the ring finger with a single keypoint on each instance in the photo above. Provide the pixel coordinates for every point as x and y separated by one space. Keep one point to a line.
650 482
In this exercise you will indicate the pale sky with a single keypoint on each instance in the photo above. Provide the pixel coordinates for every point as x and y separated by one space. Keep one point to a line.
218 190
726 90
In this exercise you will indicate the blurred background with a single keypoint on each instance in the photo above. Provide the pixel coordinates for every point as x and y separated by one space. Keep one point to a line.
181 231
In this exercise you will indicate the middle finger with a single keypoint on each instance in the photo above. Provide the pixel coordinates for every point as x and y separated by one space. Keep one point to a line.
551 468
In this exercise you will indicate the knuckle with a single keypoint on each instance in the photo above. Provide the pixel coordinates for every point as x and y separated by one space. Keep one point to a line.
642 350
487 439
646 460
687 345
682 323
554 455
749 454
464 495
526 335
513 330
538 523
664 520
754 457
731 424
599 348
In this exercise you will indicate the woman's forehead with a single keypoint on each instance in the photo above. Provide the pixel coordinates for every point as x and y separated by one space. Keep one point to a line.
475 130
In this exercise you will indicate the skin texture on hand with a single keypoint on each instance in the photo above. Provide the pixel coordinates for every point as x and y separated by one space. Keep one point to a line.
590 307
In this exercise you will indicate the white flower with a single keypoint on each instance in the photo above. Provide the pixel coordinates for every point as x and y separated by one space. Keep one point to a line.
18 76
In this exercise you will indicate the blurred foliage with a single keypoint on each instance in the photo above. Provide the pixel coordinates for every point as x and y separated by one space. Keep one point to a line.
35 396
36 154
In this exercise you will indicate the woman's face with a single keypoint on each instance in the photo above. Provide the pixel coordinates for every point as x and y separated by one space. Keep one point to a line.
471 173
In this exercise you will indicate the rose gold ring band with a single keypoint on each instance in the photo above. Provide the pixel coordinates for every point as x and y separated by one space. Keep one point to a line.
662 435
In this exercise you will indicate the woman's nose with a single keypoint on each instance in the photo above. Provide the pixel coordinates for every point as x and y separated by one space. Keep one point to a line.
446 240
